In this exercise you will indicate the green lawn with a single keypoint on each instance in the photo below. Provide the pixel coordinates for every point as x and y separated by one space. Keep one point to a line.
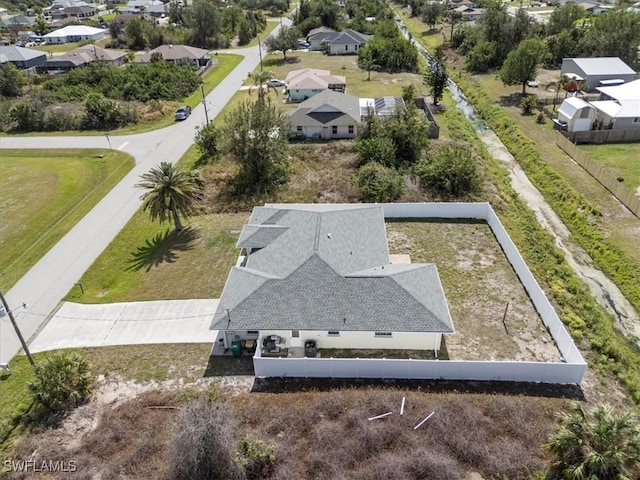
622 160
381 83
147 261
43 194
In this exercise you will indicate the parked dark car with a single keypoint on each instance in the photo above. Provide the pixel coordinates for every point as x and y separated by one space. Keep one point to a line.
183 112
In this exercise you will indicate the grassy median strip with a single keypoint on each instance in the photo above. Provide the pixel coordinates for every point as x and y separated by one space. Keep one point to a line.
43 194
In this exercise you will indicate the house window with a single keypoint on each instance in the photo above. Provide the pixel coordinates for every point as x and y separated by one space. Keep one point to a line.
295 333
383 334
333 333
346 48
299 128
334 129
351 129
636 120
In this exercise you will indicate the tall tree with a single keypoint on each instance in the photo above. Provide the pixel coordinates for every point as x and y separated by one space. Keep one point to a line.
170 193
205 22
436 76
521 64
564 17
255 134
431 13
596 444
285 40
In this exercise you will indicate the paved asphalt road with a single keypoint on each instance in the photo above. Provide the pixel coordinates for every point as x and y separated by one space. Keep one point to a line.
55 274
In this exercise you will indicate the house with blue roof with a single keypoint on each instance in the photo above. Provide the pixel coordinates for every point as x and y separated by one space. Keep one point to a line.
321 275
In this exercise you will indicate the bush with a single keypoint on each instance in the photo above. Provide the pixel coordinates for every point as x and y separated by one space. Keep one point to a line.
528 104
101 113
540 118
376 149
201 443
378 183
207 140
62 381
256 458
450 171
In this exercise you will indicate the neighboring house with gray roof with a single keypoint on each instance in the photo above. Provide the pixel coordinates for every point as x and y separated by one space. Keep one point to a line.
327 115
82 56
595 70
199 57
23 58
347 42
323 273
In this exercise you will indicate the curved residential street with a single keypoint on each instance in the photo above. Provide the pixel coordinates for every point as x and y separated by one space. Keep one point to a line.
55 274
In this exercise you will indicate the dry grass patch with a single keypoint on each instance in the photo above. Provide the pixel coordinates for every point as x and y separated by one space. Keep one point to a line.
489 434
478 283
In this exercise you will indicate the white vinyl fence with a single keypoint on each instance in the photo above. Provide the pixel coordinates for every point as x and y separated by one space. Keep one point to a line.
570 370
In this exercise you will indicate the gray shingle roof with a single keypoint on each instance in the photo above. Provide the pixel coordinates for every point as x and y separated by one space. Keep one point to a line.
348 37
341 104
19 54
328 269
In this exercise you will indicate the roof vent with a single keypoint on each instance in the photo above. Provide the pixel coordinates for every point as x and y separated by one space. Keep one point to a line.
329 236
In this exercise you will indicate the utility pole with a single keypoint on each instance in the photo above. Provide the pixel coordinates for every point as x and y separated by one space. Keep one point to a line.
204 102
260 53
15 326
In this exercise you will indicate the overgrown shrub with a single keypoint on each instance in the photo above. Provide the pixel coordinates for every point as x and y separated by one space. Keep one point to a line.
376 149
207 140
256 458
59 120
450 171
378 183
528 104
61 381
103 113
141 82
540 118
26 116
202 444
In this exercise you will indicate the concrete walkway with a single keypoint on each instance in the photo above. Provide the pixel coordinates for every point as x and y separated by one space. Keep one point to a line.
77 325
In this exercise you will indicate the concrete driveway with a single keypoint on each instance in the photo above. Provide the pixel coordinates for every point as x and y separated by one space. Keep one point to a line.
76 325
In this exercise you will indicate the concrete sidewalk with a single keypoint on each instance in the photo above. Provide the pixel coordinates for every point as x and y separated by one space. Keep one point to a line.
168 321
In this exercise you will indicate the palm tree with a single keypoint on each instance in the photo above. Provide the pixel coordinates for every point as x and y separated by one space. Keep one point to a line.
596 444
260 80
170 191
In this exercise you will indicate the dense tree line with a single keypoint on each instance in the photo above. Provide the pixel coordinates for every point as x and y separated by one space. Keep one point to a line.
202 24
360 15
158 80
388 50
570 32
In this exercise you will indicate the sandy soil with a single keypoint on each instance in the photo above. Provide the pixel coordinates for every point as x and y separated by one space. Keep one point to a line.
478 282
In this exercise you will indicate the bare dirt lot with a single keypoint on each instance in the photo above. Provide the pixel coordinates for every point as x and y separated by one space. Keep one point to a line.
478 282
